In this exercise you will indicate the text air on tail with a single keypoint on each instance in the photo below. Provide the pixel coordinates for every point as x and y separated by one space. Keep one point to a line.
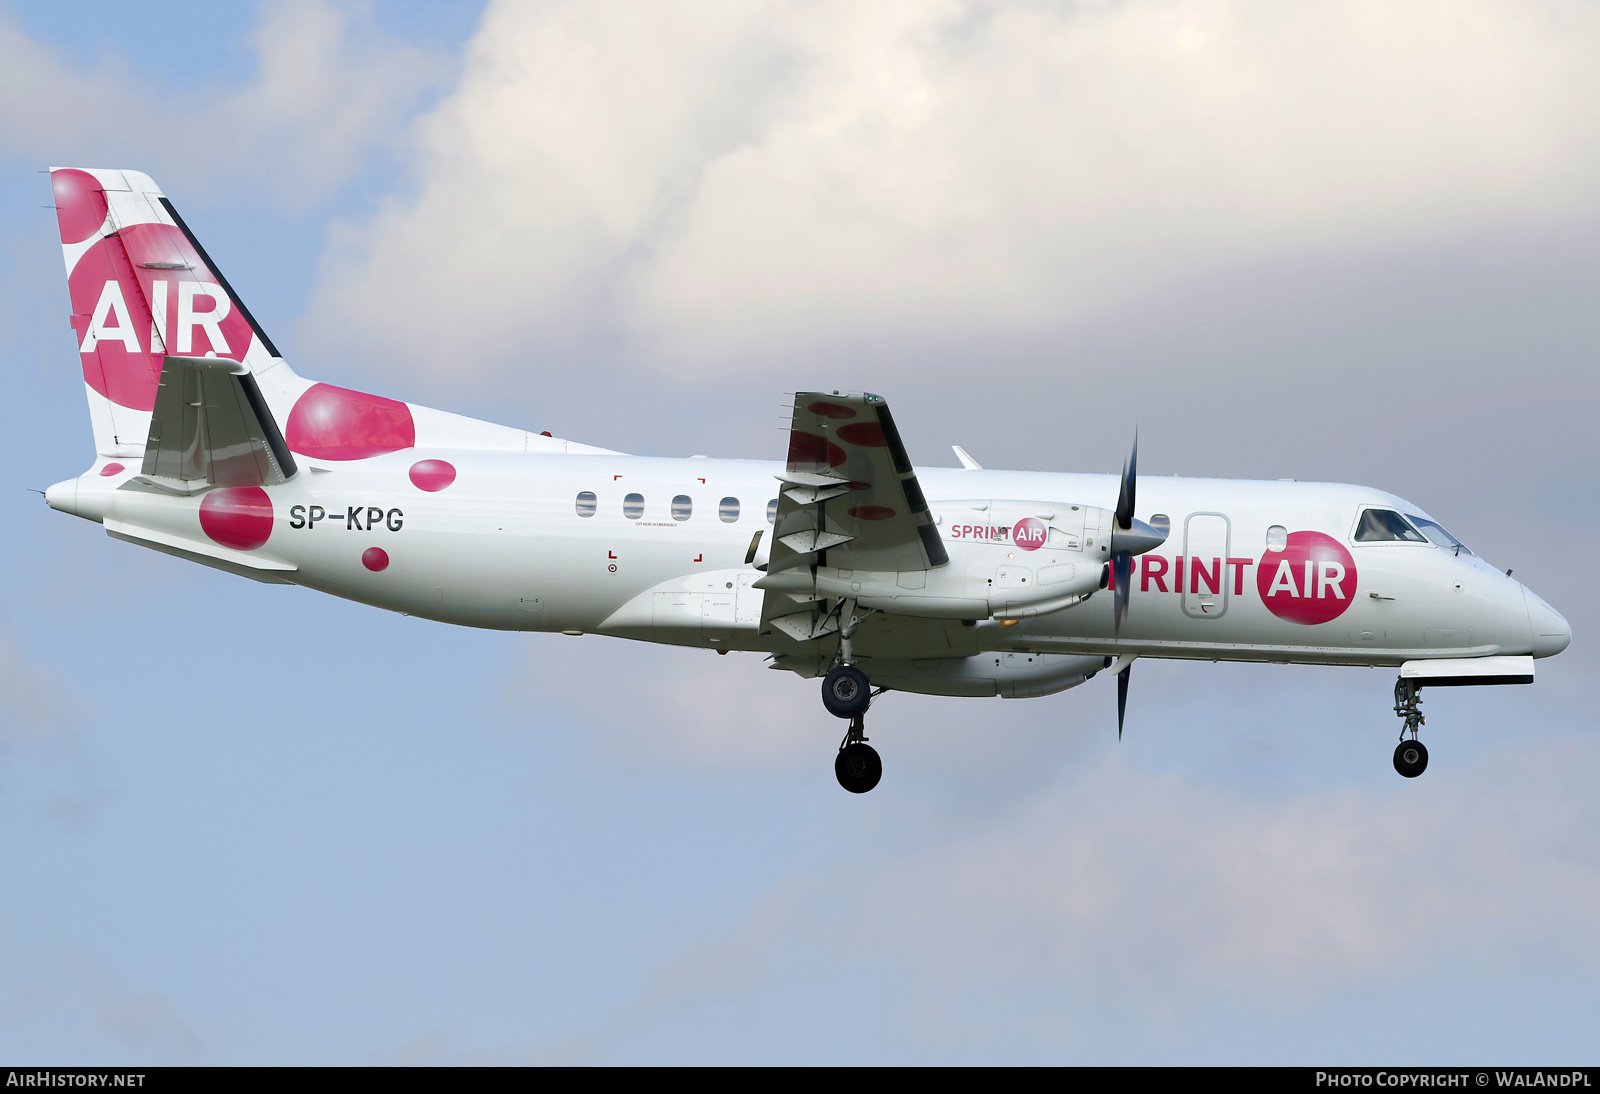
142 289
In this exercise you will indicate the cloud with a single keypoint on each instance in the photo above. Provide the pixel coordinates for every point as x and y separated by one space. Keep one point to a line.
686 710
78 995
707 187
32 707
40 733
328 90
1113 916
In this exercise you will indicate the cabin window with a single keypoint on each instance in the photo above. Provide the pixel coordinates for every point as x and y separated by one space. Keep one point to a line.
1386 526
728 510
1277 537
682 507
633 506
586 503
772 511
1437 535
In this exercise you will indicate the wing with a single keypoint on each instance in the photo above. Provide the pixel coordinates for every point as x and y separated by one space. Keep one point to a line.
850 500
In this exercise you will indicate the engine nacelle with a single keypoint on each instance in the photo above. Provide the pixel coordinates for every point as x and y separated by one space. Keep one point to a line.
1008 560
1008 675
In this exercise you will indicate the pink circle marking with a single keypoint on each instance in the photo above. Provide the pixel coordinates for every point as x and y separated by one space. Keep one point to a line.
237 516
1029 534
831 410
809 452
124 364
80 204
112 469
432 475
375 559
1310 581
335 423
865 434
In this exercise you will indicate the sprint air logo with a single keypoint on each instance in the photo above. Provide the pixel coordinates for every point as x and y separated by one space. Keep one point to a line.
1029 533
1311 580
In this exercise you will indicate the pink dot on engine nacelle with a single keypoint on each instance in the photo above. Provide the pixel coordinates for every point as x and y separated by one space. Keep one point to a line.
432 475
237 516
375 559
112 469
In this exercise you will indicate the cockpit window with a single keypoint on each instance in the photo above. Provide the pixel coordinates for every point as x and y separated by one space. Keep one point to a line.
1436 534
1385 525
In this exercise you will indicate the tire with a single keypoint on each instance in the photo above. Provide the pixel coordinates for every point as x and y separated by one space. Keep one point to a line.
846 692
858 768
1410 758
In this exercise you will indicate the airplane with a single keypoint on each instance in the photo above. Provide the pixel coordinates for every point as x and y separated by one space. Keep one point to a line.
841 561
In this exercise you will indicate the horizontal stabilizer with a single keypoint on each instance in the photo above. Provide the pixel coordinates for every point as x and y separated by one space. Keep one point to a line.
211 427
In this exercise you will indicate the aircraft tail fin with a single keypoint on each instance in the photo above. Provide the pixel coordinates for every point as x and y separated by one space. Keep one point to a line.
147 296
142 288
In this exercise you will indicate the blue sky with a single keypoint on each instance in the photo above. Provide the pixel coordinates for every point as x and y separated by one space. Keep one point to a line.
249 824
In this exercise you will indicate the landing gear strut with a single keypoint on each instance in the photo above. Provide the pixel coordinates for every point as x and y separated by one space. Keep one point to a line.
847 693
1410 757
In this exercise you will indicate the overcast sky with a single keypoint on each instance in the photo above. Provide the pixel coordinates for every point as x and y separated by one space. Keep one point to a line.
1352 241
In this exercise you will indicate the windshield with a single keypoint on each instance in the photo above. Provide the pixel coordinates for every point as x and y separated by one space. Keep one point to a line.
1385 525
1436 534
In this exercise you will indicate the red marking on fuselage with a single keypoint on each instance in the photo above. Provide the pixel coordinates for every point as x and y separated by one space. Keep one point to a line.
432 475
335 423
237 516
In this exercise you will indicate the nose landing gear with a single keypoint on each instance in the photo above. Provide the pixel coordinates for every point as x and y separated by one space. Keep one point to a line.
1410 757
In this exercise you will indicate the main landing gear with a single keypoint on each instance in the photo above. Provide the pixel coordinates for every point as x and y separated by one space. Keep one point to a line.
857 766
847 693
1410 757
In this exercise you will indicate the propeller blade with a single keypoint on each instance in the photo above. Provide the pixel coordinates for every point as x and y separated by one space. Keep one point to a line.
1122 587
1122 696
1125 496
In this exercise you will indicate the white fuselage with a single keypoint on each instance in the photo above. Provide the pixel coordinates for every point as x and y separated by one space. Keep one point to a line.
504 546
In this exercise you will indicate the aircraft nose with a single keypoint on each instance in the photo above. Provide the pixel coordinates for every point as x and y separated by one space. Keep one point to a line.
1551 632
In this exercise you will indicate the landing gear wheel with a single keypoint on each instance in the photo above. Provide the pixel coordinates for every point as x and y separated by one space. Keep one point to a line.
1410 758
846 692
858 768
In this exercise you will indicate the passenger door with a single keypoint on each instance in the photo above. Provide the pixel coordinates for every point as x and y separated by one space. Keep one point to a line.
1205 565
